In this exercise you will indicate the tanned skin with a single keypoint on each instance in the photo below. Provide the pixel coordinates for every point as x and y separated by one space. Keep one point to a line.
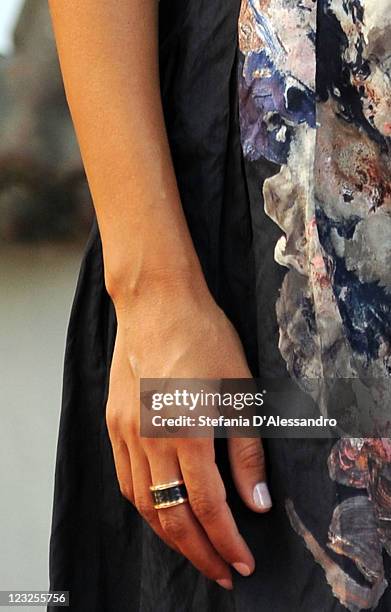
168 323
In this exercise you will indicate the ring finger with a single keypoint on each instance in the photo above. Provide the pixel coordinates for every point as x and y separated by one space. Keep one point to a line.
141 477
180 525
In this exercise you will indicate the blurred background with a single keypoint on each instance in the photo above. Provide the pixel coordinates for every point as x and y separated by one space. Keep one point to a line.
45 215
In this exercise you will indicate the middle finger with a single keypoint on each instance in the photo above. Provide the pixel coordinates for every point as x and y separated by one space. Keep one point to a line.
208 501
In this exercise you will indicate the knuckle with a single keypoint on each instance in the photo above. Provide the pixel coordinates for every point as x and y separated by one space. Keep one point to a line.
202 447
120 425
250 456
204 508
112 420
127 491
129 428
146 509
174 526
150 445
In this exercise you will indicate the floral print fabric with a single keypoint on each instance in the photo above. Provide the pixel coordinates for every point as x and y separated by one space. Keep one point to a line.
315 98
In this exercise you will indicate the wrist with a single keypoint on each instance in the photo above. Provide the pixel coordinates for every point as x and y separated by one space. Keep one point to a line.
176 284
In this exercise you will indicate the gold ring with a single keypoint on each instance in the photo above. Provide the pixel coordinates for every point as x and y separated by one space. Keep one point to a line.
169 494
166 485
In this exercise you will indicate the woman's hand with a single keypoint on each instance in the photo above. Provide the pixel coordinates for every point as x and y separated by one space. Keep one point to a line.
113 91
179 332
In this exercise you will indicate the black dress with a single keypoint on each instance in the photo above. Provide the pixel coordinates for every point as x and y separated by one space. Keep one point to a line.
241 119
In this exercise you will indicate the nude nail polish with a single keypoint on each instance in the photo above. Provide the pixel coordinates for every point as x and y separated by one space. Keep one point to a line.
225 583
242 568
261 496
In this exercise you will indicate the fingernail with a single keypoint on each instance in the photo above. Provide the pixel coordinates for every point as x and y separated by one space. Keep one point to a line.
225 583
261 495
242 568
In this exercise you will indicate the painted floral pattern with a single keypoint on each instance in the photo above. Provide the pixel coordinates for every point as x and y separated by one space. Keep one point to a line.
315 98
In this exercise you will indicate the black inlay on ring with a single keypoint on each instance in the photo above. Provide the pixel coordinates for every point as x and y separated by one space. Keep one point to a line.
170 495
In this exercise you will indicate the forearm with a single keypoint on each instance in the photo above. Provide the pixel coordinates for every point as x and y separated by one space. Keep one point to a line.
109 58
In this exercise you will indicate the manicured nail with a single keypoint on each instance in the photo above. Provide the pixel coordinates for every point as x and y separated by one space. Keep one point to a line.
225 583
261 495
242 568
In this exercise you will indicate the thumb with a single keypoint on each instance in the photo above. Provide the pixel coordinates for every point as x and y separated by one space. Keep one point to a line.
248 470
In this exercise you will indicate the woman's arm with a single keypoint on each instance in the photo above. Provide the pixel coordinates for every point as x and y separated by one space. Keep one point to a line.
109 58
168 324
